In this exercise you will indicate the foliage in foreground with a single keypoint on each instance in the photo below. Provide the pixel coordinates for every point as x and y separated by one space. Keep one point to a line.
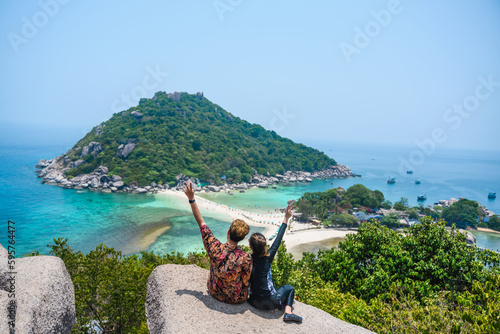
110 289
426 281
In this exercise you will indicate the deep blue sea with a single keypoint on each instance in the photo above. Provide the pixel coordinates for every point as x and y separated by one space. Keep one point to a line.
124 221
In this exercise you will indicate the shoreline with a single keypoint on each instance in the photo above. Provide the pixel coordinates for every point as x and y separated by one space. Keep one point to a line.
298 233
145 239
489 230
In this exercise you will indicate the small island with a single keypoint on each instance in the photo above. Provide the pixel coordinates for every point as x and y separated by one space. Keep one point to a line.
175 137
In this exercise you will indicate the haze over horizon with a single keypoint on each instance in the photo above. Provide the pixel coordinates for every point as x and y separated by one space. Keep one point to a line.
385 72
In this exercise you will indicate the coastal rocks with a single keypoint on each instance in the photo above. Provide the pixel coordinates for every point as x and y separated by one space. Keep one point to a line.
101 170
43 163
118 184
53 172
213 188
95 183
470 238
44 296
140 191
92 148
177 302
116 178
104 179
75 164
265 181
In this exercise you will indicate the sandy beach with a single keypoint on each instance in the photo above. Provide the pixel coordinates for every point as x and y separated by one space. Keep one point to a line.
145 238
297 233
489 230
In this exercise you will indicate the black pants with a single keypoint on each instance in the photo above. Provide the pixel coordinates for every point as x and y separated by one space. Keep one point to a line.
284 297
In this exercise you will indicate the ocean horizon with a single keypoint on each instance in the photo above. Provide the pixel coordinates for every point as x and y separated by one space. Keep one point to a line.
43 212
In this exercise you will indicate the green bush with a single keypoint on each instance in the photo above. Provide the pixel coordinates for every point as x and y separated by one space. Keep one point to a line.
110 289
425 281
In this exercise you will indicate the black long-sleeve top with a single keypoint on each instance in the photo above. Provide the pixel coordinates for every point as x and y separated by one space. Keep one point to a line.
261 281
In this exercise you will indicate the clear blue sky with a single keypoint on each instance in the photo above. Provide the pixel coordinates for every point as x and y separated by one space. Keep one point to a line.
337 72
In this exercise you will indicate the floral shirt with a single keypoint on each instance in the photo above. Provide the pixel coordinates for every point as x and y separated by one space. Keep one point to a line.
230 269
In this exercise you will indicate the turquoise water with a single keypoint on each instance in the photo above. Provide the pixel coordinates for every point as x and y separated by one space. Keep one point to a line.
446 174
42 212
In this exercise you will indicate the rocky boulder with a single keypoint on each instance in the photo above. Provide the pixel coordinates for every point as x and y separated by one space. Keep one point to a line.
213 188
125 150
92 148
43 163
140 191
101 170
176 96
118 184
104 179
136 114
98 129
116 178
44 295
177 302
95 182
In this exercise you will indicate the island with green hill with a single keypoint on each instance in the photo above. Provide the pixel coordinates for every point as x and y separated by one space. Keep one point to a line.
175 137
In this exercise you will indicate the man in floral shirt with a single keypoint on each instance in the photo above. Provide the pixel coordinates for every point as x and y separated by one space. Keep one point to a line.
230 267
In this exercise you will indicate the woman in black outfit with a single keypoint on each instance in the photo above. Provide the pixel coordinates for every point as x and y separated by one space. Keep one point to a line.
263 295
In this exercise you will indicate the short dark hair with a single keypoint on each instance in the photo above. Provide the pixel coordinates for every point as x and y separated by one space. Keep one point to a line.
238 230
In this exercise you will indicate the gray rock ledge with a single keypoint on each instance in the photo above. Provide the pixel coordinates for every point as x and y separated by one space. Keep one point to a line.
44 295
177 301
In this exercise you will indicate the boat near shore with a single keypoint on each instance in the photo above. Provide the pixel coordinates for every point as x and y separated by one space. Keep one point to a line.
421 197
492 195
418 181
391 180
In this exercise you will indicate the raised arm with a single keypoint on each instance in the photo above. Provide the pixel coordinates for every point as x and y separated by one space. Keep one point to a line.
281 233
194 207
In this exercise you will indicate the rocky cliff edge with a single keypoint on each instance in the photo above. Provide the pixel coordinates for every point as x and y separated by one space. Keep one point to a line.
178 302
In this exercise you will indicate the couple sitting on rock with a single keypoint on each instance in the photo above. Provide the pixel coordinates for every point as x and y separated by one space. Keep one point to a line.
231 269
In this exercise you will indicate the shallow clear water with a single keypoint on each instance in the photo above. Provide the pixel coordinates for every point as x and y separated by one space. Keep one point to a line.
42 212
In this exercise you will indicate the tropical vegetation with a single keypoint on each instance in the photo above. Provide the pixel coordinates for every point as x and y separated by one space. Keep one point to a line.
192 136
334 205
427 280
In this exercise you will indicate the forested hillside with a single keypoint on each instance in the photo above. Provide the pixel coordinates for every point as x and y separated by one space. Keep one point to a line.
186 133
